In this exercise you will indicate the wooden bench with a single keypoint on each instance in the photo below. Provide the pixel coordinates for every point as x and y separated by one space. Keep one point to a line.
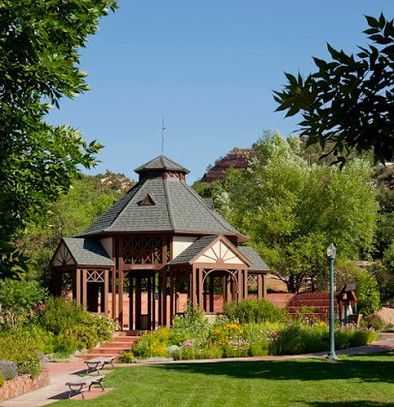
78 386
95 365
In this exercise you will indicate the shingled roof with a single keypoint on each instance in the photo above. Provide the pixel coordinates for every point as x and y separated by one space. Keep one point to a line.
158 203
161 163
88 252
257 262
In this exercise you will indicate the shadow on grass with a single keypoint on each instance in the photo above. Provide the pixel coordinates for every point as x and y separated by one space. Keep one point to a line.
367 368
358 403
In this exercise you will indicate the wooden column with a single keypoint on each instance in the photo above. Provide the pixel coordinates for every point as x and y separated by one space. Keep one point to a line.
229 291
106 292
260 287
120 306
193 287
265 284
85 289
200 289
240 286
211 293
245 280
115 254
131 304
149 301
78 290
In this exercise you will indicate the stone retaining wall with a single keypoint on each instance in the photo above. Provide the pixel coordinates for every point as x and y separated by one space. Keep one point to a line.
23 384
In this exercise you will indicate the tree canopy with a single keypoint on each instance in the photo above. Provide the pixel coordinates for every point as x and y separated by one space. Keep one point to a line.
349 100
294 210
39 62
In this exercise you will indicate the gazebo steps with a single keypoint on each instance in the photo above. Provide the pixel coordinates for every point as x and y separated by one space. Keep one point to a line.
121 341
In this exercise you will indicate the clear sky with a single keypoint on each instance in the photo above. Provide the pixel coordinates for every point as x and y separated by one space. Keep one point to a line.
209 67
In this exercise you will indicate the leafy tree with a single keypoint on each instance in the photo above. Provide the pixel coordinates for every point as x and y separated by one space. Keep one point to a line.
367 293
17 298
293 210
88 198
39 43
349 100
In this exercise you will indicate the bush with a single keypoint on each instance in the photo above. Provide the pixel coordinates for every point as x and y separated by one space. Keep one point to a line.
374 322
73 328
1 379
17 348
8 370
367 291
256 311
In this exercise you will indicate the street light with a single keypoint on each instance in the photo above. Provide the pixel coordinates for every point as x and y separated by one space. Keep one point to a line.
331 253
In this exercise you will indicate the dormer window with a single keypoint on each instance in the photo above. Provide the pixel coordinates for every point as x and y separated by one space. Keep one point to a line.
148 200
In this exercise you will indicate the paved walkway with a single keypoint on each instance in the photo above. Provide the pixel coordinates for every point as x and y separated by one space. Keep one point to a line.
60 373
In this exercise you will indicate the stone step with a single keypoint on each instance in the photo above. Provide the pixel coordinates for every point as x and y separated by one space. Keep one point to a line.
111 351
89 356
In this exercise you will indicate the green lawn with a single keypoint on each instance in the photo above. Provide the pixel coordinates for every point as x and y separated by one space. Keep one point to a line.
352 381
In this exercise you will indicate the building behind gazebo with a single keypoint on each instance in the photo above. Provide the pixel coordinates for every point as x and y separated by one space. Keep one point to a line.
159 240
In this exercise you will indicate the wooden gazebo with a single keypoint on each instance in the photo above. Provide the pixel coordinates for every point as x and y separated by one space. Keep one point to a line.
159 245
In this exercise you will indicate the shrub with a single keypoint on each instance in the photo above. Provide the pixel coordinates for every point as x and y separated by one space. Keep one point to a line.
257 311
367 293
73 328
8 370
374 322
1 379
17 299
17 348
60 314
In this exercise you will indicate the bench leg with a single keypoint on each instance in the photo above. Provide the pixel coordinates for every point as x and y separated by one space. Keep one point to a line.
109 363
99 383
74 392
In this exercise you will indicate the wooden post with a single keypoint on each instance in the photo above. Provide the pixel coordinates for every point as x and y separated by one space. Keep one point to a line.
200 295
120 306
131 303
240 286
149 301
245 280
85 289
193 287
259 286
106 292
211 293
265 284
115 254
78 290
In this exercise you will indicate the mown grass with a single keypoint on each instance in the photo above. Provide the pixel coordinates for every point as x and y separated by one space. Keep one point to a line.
366 380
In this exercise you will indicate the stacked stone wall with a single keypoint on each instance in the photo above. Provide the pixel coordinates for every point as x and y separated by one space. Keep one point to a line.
23 384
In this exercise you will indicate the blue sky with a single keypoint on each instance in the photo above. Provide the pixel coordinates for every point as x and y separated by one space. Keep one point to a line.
209 67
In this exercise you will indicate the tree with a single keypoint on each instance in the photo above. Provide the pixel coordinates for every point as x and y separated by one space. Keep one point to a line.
39 43
293 210
88 198
349 101
17 299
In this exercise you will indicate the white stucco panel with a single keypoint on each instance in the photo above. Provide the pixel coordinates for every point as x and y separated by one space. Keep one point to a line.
181 243
63 257
107 244
219 252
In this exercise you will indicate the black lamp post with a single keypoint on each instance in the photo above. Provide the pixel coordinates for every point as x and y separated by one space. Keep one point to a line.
331 254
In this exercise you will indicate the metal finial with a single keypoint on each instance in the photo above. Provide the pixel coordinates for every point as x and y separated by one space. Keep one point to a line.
162 135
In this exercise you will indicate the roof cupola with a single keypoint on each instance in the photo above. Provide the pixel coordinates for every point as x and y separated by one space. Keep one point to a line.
163 167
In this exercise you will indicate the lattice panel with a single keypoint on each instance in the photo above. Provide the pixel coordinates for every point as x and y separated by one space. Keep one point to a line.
142 251
95 276
252 281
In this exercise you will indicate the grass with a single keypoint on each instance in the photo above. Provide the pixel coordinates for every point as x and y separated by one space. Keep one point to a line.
365 380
